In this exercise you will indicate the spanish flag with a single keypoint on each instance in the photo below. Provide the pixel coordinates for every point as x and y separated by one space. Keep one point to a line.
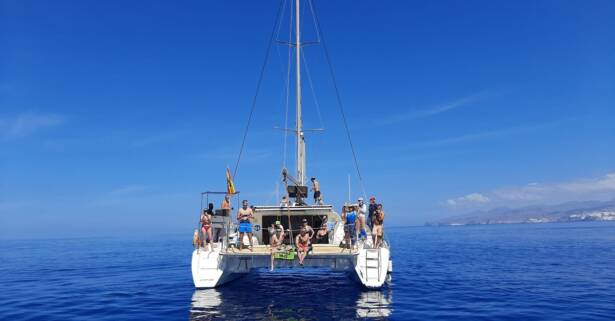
230 187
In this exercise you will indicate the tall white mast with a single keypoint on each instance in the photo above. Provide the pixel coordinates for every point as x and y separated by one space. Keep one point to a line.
300 138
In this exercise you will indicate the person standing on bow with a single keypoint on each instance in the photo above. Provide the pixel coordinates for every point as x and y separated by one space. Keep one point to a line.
206 230
244 215
316 189
372 212
349 217
362 209
378 233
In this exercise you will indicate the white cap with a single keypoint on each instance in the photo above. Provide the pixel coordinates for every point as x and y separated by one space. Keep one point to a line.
360 199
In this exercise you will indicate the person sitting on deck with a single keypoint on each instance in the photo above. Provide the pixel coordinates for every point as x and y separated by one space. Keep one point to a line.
323 232
244 215
316 189
349 217
362 209
206 229
377 231
276 240
284 202
302 241
273 229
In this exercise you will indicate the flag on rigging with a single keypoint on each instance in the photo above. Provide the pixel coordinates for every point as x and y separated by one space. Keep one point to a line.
230 187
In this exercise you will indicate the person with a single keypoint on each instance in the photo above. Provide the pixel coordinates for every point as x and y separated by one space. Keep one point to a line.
308 228
277 238
244 215
378 222
349 217
206 229
371 211
302 242
362 209
217 230
226 203
284 202
323 232
316 189
273 229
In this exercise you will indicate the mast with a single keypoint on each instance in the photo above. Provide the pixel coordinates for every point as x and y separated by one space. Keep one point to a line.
299 130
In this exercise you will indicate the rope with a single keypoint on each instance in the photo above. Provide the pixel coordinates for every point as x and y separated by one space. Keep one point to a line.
258 86
309 76
338 96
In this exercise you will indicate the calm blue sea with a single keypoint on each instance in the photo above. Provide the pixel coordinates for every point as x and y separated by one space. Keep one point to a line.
498 272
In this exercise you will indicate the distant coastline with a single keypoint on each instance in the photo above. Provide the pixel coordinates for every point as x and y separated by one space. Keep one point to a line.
567 212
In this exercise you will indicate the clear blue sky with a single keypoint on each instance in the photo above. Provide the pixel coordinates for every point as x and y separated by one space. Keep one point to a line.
114 115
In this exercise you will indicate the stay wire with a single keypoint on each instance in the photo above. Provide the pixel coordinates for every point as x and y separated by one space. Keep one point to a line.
307 69
258 86
338 96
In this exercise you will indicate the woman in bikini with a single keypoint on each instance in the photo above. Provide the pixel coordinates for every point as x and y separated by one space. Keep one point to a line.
302 242
378 220
206 230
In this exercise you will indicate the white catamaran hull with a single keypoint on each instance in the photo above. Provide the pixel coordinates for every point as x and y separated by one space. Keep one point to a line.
212 269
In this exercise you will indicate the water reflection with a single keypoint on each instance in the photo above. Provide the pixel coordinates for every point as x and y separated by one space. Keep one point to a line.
291 295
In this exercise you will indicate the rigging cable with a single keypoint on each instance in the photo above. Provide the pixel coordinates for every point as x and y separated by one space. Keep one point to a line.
258 86
290 50
307 69
337 93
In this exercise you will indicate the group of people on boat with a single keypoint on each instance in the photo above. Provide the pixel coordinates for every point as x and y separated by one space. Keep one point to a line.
357 216
211 234
303 240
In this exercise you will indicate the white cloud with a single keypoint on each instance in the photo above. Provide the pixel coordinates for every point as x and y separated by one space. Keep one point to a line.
497 133
470 199
428 112
26 124
600 188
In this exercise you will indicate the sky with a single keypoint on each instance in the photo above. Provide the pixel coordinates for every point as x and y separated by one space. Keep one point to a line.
115 115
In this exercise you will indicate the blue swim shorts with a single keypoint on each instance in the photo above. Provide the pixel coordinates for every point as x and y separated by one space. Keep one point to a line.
245 227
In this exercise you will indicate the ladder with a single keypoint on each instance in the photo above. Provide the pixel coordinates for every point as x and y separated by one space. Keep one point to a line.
372 263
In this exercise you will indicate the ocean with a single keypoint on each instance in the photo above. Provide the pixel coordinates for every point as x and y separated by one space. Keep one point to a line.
489 272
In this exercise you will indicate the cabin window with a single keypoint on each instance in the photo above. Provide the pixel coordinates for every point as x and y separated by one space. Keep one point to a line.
315 221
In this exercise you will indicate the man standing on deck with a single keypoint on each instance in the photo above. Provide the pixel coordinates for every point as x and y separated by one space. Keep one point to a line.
316 189
244 215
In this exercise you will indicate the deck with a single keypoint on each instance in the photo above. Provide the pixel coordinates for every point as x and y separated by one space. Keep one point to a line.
318 250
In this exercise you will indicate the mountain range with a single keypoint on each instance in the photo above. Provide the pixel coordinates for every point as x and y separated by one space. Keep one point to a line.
566 212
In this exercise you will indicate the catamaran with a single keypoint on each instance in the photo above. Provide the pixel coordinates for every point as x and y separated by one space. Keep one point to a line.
369 264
